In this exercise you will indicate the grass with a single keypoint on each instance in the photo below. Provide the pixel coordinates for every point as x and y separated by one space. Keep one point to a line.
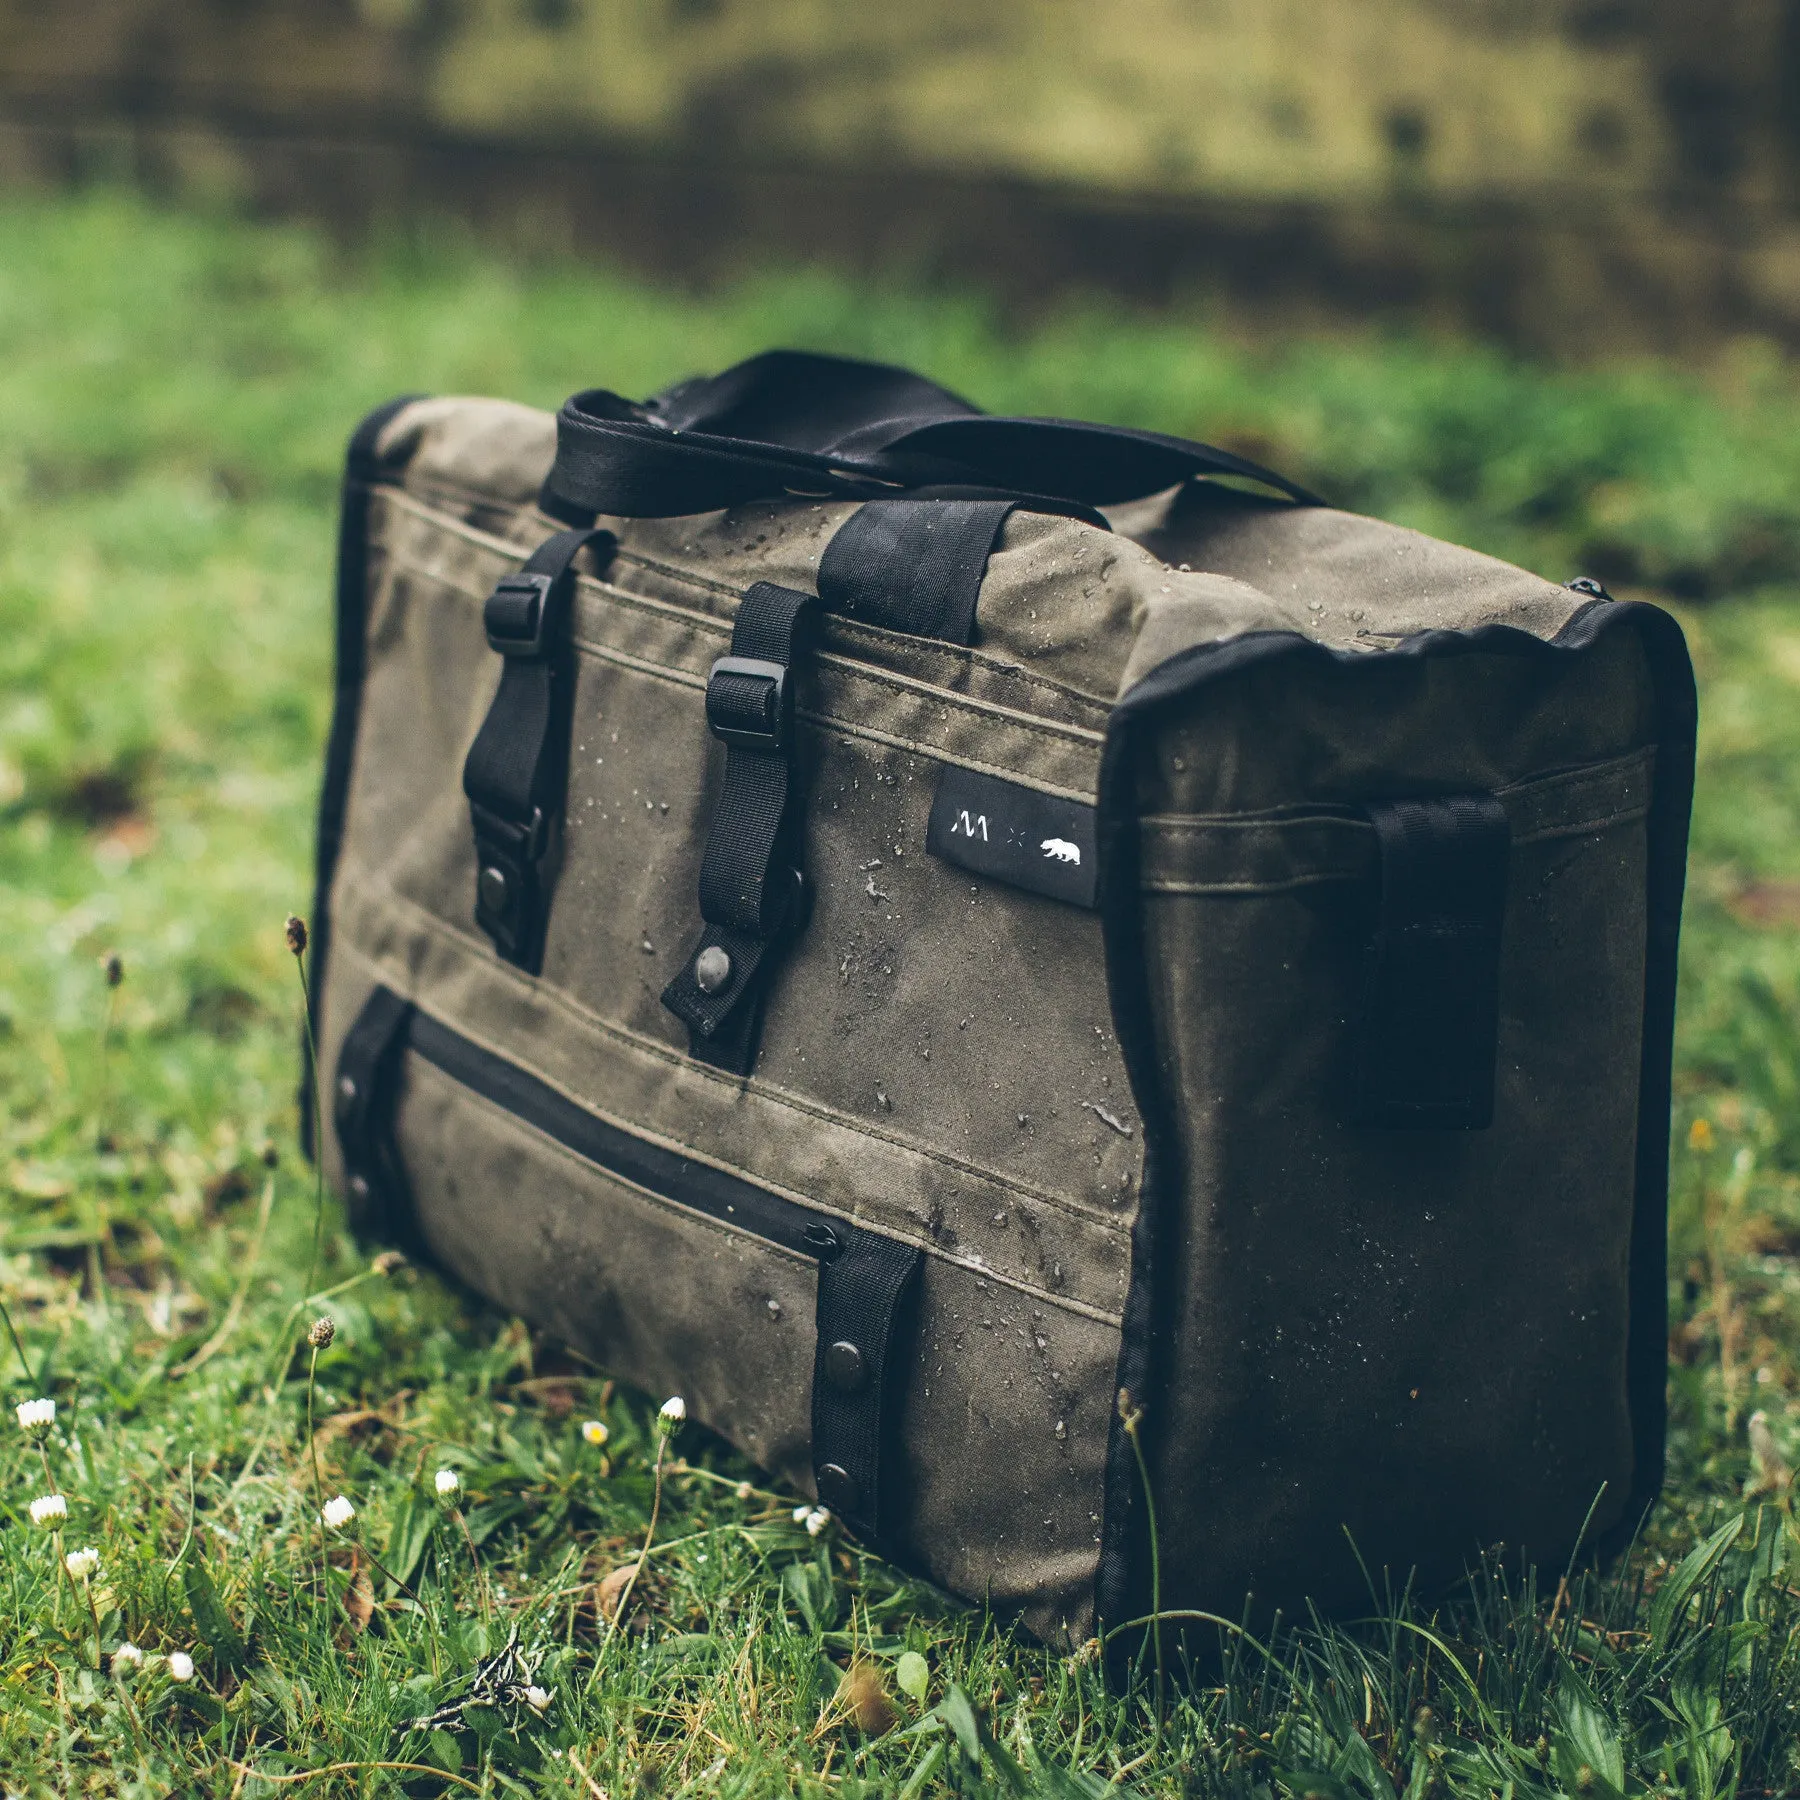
174 393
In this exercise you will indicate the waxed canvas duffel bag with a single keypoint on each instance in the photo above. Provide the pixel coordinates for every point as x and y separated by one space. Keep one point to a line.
920 931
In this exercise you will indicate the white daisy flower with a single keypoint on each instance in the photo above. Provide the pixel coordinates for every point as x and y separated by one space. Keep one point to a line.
537 1698
594 1432
674 1410
82 1563
800 1513
181 1666
36 1415
49 1509
816 1521
127 1657
447 1482
338 1513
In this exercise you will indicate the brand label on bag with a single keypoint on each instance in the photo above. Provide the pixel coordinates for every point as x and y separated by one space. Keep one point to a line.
1014 834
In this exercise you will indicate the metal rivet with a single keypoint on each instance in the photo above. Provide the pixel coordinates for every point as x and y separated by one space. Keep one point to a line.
496 890
821 1239
346 1088
845 1367
837 1487
712 969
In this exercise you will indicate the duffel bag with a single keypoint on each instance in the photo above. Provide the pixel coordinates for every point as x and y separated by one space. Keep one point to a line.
970 948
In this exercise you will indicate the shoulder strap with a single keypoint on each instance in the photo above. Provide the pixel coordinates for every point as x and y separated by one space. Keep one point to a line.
790 422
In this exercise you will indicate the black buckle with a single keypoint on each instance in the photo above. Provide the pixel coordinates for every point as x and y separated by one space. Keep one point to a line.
760 724
516 613
525 843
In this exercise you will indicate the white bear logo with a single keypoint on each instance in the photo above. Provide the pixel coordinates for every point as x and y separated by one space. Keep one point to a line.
1061 849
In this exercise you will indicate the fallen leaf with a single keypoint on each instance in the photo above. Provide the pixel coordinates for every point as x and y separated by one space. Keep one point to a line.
612 1589
556 1394
867 1699
388 1417
359 1602
1767 903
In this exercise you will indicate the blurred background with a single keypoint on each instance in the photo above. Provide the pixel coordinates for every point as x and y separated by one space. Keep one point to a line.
1573 176
1524 274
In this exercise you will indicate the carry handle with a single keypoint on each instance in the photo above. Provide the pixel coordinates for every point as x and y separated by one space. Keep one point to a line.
788 422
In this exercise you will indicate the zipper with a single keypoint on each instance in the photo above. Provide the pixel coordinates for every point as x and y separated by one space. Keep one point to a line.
863 1274
623 1154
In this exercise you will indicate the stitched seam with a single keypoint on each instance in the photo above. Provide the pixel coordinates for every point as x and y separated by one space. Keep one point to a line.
1064 1302
542 1139
1275 817
956 655
629 1040
980 711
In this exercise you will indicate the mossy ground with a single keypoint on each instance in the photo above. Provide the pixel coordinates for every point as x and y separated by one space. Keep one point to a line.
174 393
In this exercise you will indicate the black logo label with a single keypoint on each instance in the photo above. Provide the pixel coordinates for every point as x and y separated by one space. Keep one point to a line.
1014 834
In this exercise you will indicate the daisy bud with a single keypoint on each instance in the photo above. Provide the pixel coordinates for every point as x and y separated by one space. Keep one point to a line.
181 1666
447 1482
49 1509
744 1490
338 1513
82 1563
127 1658
593 1432
320 1333
674 1410
537 1698
387 1261
36 1415
296 934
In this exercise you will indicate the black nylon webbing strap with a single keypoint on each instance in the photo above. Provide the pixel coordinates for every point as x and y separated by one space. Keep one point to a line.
362 1094
518 764
860 1291
1431 985
912 565
752 888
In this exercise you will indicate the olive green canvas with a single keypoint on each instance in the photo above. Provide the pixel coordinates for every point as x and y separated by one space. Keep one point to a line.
1119 1138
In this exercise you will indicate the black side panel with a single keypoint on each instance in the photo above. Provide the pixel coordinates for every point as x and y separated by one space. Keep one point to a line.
1123 1575
360 472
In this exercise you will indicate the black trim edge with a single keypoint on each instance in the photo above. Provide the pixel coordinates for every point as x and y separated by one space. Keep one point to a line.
1122 1552
351 608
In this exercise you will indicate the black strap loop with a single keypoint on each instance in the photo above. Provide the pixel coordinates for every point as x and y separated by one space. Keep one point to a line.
1431 990
860 1292
752 887
788 422
518 765
913 565
362 1103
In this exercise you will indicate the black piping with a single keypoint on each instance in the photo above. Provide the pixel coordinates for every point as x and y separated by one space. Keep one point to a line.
361 469
1120 1581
